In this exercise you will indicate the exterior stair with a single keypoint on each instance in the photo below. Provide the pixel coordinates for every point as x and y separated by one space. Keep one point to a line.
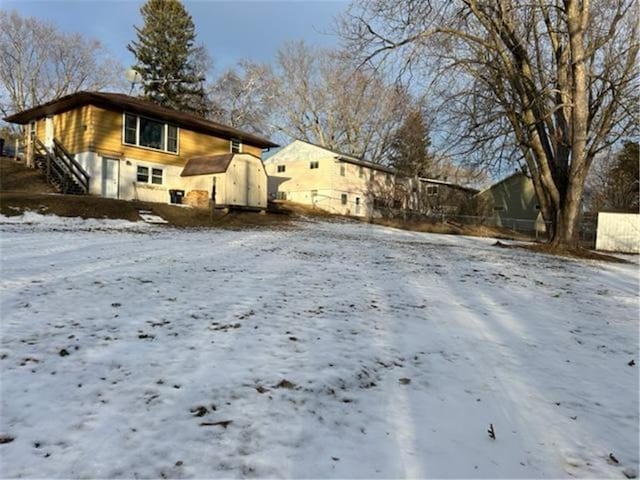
60 168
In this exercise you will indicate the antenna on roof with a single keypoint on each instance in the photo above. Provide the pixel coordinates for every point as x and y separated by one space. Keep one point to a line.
132 76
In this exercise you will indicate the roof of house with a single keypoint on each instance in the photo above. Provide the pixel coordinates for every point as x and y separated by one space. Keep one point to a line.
343 157
448 184
131 104
209 164
500 182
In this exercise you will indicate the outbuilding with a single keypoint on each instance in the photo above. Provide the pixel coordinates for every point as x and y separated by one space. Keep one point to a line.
230 180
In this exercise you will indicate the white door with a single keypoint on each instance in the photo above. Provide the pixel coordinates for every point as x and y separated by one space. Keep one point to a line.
48 132
110 177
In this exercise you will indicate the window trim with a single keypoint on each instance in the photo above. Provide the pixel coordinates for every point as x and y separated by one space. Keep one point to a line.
166 134
238 141
150 176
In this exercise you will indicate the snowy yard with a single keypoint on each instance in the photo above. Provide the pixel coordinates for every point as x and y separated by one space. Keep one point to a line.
335 350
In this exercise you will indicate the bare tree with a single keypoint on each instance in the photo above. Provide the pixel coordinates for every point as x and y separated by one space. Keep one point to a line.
243 97
322 98
549 83
38 63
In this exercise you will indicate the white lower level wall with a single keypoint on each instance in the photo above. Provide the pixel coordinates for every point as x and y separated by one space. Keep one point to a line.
618 232
331 201
128 187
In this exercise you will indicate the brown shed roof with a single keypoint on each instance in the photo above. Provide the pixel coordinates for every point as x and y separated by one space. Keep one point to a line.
207 164
121 102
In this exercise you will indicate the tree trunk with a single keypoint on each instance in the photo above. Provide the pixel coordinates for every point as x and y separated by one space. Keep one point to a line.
566 228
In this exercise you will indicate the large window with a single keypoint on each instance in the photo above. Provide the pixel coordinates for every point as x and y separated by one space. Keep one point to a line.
149 133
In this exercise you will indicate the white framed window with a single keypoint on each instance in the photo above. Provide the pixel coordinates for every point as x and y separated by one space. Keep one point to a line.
282 168
149 133
314 164
142 174
152 175
235 145
157 175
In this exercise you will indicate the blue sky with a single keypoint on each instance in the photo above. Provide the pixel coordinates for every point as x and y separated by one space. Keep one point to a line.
231 30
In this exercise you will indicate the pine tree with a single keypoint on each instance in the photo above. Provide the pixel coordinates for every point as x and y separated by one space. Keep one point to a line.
167 58
410 144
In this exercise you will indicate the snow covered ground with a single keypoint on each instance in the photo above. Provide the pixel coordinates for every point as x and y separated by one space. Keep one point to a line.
335 350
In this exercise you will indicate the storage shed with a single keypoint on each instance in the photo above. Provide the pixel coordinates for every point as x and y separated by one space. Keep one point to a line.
230 180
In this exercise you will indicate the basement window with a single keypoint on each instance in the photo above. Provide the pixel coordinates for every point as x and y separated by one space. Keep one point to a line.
143 174
156 176
149 175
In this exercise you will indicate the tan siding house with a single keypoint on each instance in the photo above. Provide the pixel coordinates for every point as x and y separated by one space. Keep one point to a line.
133 149
337 183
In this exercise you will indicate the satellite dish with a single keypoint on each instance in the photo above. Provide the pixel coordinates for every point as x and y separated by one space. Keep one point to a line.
132 76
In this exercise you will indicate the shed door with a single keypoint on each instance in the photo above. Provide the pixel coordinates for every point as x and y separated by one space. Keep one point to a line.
110 177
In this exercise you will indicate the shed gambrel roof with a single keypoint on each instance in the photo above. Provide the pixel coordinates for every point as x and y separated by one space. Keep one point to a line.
127 103
209 164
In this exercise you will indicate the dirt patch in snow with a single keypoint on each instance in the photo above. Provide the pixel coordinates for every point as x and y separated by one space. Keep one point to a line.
582 253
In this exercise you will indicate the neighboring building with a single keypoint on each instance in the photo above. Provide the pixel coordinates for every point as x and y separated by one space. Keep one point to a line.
431 196
313 175
512 203
618 232
118 146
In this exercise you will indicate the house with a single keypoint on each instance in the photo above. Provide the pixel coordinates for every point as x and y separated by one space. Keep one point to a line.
431 196
119 146
332 181
512 203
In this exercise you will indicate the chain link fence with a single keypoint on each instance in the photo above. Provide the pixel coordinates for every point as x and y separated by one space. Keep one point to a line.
528 229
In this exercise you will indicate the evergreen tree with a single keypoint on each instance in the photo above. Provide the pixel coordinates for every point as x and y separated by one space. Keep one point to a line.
622 188
167 58
410 144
